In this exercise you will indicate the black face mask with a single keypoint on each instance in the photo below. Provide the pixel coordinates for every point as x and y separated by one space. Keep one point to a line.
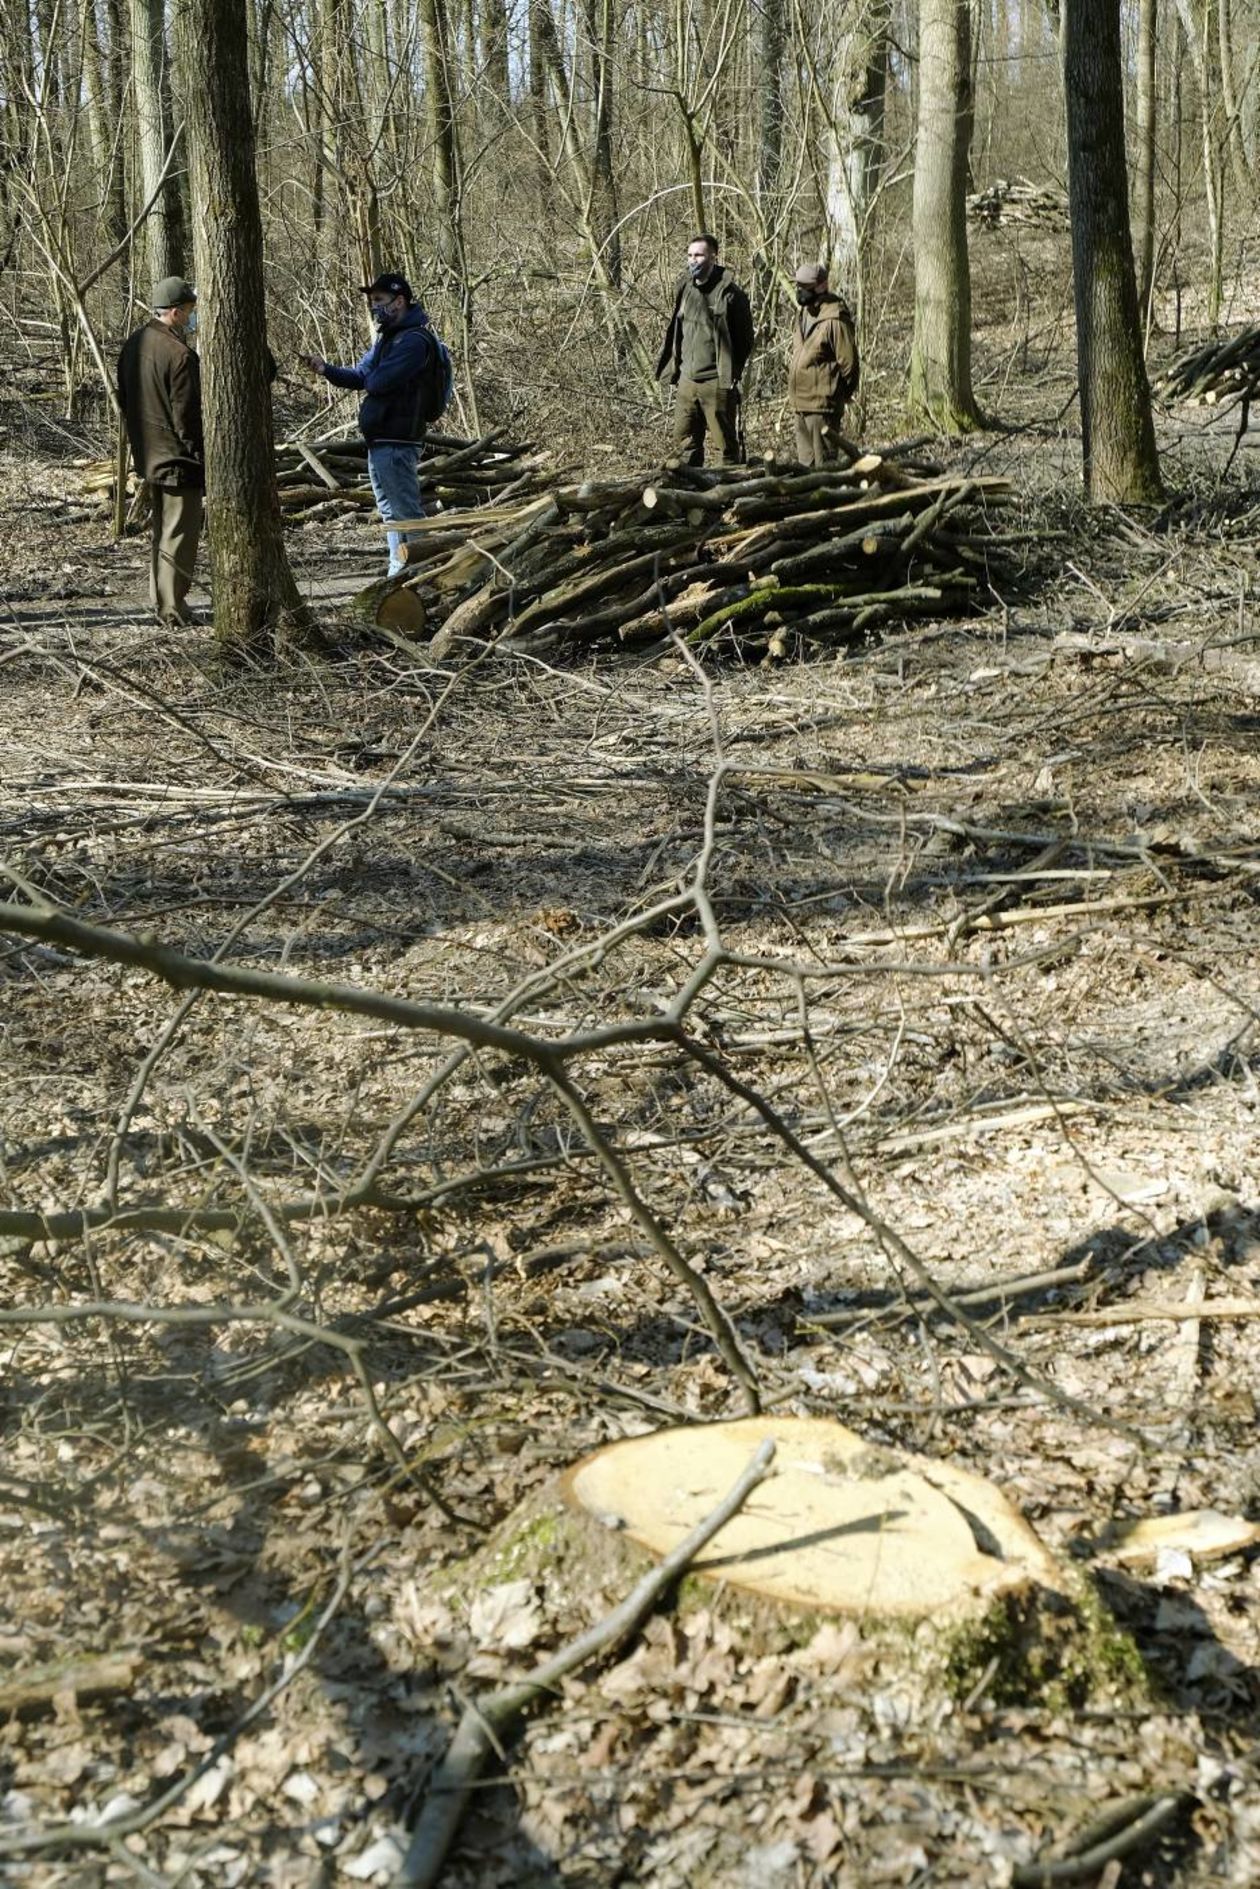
805 298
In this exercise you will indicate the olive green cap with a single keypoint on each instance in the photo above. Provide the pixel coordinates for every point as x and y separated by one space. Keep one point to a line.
172 292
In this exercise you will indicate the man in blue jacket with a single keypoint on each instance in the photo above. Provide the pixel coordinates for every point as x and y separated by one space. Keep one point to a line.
391 416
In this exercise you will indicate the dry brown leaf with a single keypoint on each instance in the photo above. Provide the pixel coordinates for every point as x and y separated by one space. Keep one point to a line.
507 1617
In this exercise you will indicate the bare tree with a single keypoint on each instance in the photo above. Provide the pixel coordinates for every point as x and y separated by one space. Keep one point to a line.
161 242
255 596
1144 167
1117 431
940 360
855 136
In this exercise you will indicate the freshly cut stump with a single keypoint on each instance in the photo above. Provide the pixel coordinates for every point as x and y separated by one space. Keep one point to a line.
839 1526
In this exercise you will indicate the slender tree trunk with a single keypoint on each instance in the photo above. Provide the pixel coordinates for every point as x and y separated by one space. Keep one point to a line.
434 29
602 214
104 125
940 359
772 51
1229 98
157 238
856 136
1249 89
255 597
1117 432
496 69
1198 39
1144 168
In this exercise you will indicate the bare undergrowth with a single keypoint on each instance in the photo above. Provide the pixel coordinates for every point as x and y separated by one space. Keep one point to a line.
795 997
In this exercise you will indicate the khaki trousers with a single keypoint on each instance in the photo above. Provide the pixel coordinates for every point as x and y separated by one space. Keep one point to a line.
703 410
817 438
173 550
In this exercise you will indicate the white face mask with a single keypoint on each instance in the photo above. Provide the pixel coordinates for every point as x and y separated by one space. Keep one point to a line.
190 326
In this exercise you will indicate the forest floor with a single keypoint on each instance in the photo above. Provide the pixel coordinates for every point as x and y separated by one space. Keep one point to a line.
988 896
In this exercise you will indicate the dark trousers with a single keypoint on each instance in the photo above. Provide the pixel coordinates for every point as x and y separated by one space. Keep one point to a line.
818 438
173 549
703 410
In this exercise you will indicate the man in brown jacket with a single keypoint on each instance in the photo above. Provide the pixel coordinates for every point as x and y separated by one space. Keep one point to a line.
823 371
707 345
159 391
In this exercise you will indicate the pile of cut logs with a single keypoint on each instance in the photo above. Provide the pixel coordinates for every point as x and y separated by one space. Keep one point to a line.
758 555
1217 374
329 475
1015 200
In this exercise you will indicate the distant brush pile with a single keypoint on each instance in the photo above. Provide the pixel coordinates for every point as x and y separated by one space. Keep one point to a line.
1015 200
1218 374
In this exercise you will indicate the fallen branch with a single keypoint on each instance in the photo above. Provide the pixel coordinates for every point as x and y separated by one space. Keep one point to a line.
45 923
1118 1833
1147 1311
87 1678
489 1722
86 1836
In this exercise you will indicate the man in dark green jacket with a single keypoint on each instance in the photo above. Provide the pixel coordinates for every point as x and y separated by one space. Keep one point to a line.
707 345
159 392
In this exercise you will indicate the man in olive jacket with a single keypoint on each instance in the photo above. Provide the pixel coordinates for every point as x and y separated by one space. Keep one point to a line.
823 370
159 392
707 345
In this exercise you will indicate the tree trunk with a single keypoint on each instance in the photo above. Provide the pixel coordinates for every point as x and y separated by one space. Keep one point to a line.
441 133
1229 96
496 66
940 359
772 50
856 137
255 597
1117 432
156 239
104 121
1198 41
1144 167
602 213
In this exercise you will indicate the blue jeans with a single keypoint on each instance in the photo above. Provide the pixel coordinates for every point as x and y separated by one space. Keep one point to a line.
396 489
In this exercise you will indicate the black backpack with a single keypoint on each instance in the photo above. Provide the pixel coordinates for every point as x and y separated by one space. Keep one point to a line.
437 380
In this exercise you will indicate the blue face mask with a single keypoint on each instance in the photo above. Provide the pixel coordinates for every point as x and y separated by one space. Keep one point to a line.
190 326
381 316
696 269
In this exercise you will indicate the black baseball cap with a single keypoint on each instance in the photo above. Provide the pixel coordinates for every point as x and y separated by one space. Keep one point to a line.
389 285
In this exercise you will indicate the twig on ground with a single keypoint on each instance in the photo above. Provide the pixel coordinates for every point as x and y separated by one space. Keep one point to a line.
1123 1830
1149 1311
488 1722
86 1836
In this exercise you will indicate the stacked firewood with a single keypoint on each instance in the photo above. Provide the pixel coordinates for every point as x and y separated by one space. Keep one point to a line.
1015 200
761 555
329 475
1221 372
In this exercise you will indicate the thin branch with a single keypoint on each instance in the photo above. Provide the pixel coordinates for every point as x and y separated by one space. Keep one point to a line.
488 1723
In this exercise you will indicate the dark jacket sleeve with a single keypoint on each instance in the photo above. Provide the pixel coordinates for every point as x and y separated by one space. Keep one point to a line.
355 376
400 364
186 404
667 364
739 316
